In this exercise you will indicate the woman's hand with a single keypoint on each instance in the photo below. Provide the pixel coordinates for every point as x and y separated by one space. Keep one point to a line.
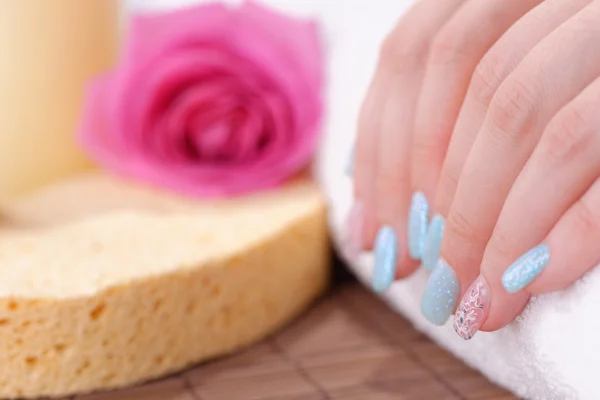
505 144
525 214
407 120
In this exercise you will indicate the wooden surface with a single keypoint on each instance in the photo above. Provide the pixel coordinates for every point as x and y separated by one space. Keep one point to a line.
348 347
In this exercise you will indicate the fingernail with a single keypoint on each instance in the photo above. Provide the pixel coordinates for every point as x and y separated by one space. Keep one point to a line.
386 252
417 225
441 293
433 242
350 163
526 268
354 228
473 309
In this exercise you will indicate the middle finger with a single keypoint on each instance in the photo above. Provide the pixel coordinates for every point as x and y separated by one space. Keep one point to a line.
455 52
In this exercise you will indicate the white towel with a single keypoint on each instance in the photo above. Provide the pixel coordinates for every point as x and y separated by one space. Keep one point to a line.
553 350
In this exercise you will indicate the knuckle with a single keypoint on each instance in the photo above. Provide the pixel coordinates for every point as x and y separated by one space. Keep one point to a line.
390 187
400 52
392 182
449 45
487 78
569 133
367 121
586 220
462 227
513 107
427 146
501 239
498 249
449 181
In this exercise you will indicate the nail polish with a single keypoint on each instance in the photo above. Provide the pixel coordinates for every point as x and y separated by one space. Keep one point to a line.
473 309
417 225
433 242
441 294
386 253
354 228
526 268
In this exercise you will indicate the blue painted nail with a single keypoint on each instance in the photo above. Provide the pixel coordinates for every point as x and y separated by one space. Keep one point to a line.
433 242
441 294
386 252
526 268
417 225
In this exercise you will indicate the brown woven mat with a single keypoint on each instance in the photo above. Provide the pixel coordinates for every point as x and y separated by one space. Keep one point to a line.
348 347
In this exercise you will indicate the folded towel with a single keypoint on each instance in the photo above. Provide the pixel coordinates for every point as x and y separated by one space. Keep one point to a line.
551 351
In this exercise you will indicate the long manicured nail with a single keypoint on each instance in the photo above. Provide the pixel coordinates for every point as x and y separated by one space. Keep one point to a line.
417 225
354 228
473 309
441 294
386 253
526 268
433 242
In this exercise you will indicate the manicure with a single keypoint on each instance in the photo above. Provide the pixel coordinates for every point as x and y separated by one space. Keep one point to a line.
354 228
526 268
417 225
433 242
441 294
473 309
386 253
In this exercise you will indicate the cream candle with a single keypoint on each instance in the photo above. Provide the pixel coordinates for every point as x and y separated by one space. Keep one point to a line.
48 51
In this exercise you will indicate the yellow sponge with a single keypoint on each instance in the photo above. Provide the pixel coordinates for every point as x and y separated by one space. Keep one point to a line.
104 284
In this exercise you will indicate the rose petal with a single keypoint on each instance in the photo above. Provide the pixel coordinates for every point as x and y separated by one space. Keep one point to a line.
213 98
153 32
284 76
268 40
291 33
269 169
278 129
210 138
250 133
97 132
145 95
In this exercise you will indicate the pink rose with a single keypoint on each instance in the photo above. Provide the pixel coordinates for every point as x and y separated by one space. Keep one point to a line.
209 101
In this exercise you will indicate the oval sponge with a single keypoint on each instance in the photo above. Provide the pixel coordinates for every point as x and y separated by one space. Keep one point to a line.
104 284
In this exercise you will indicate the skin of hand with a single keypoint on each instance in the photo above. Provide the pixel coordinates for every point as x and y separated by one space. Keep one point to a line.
406 121
500 128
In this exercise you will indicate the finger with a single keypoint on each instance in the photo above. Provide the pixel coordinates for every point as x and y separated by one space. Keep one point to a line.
572 245
562 168
489 74
541 85
402 60
364 220
455 52
404 50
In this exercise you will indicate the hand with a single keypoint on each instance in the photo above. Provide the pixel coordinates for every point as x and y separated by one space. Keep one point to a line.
524 208
407 119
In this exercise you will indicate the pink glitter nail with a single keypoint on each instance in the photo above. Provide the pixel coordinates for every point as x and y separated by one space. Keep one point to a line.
473 309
